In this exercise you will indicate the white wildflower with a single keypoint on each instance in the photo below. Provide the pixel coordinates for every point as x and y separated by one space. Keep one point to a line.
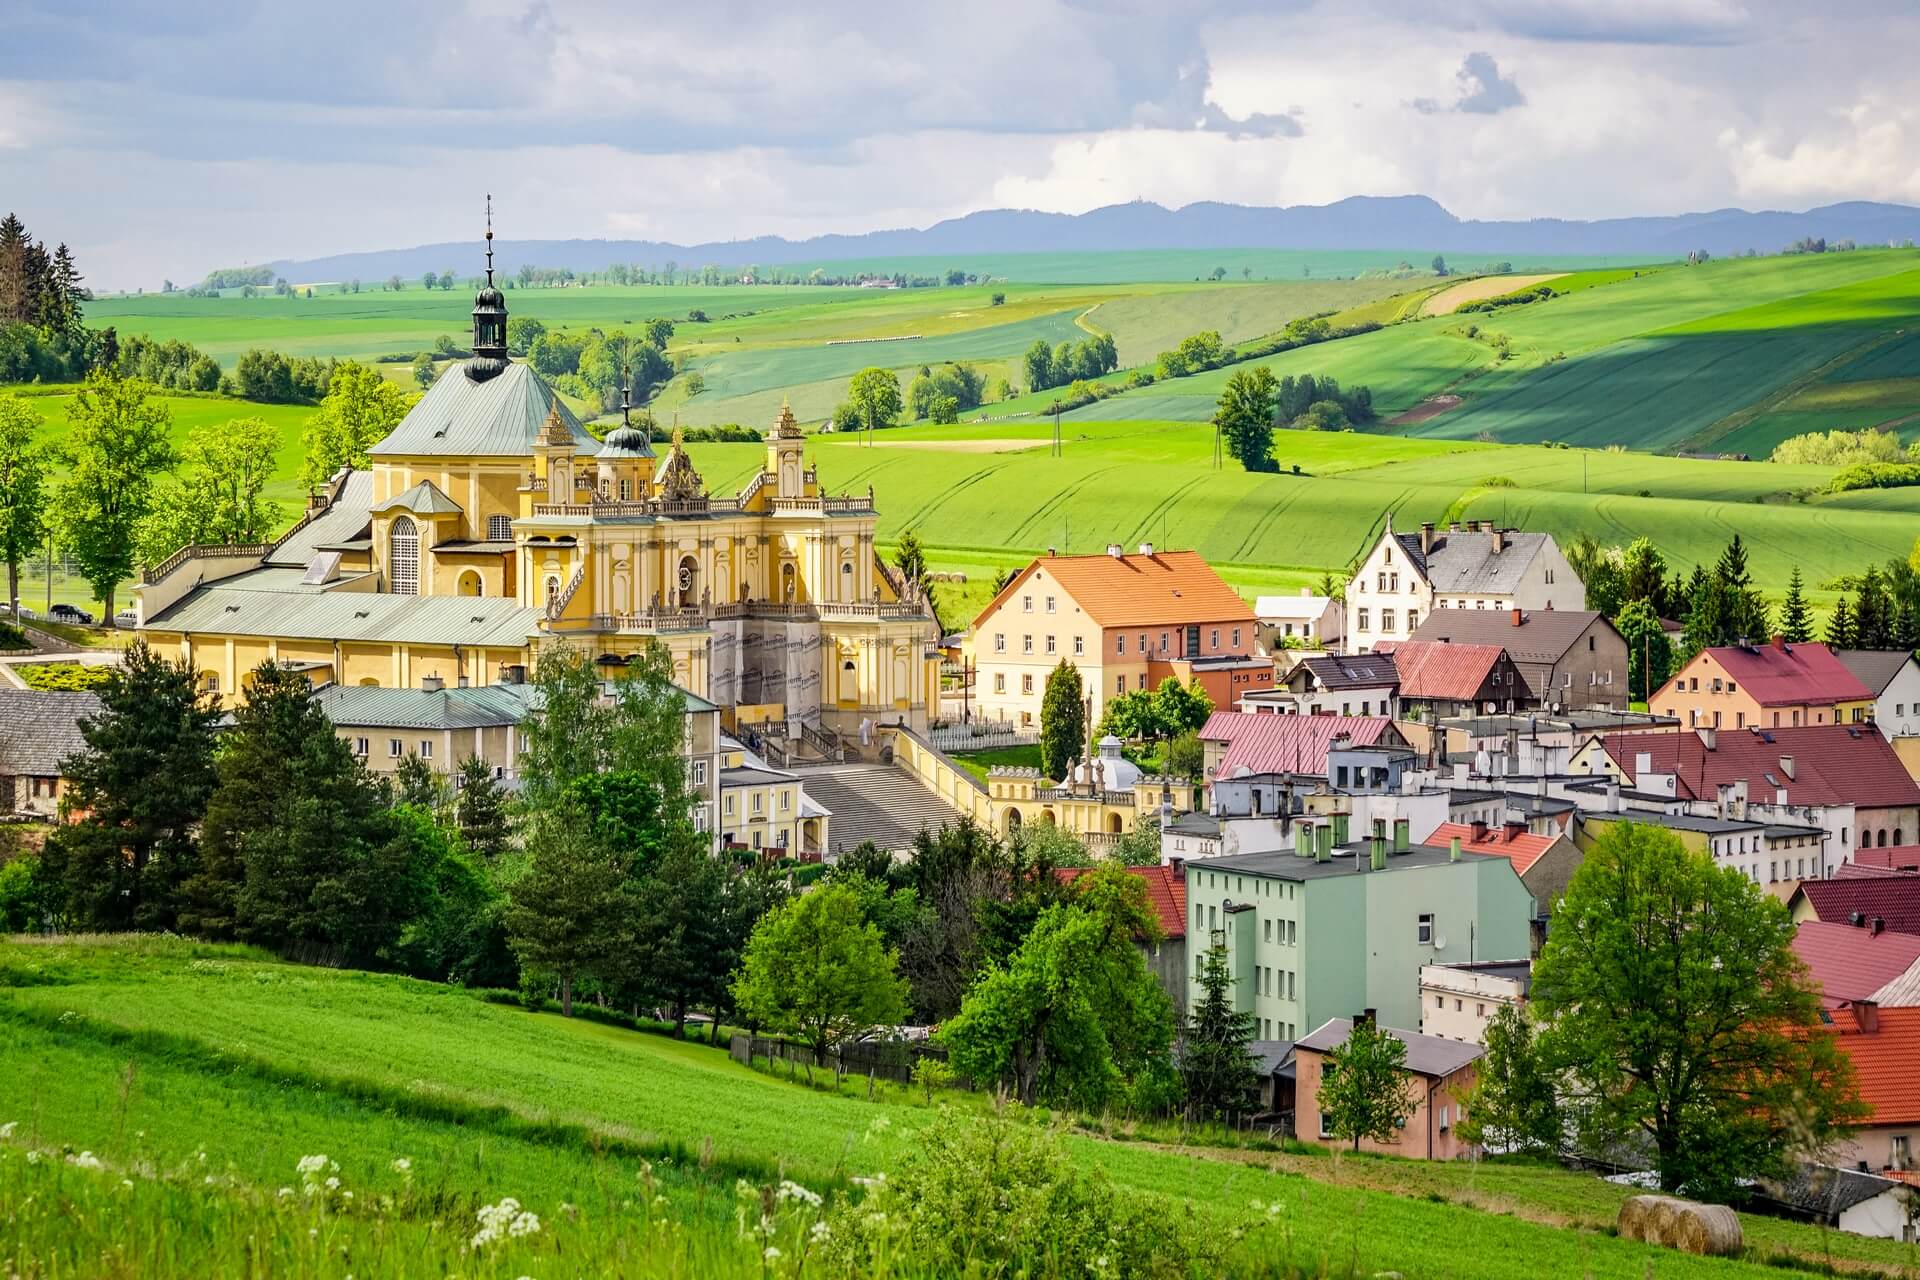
6 1130
85 1160
402 1165
284 1192
790 1190
33 1157
771 1254
820 1233
333 1184
314 1166
525 1224
505 1218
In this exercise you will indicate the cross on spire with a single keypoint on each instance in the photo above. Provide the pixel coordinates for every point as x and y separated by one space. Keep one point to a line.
489 239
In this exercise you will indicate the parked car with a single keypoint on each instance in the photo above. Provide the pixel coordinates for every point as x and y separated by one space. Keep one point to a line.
70 614
24 614
127 618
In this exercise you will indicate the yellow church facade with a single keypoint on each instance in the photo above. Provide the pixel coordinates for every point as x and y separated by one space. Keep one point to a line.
490 524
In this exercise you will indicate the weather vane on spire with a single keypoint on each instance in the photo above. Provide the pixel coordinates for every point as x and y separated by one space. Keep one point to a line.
489 238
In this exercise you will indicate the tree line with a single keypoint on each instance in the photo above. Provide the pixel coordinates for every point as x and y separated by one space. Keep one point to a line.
1253 402
42 299
1058 366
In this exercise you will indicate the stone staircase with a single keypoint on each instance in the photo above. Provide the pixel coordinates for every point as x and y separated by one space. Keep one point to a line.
879 802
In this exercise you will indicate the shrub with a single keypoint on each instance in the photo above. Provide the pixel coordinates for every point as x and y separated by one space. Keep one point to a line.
1840 448
12 637
67 676
1876 475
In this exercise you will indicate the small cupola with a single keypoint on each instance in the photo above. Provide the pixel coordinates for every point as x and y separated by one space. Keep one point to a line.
489 321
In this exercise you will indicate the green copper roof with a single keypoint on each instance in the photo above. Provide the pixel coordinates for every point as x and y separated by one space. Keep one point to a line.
493 621
478 707
424 499
500 417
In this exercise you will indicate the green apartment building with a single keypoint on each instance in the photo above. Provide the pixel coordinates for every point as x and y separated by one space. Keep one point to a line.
1333 926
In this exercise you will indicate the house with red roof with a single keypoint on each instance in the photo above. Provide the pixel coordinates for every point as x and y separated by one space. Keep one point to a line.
1772 685
1892 900
1884 1045
1439 679
1167 895
1237 740
1845 780
1900 858
1545 864
1853 961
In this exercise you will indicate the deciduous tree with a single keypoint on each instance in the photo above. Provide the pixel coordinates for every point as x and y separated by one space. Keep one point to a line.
219 498
23 489
816 969
1513 1105
1673 1007
118 445
1244 417
875 397
1363 1086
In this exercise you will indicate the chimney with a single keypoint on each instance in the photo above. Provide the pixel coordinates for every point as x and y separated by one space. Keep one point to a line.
1053 551
1340 828
1857 918
1115 550
1303 840
1479 830
1515 828
433 684
1613 796
1867 1015
1366 1016
1786 767
1453 849
1453 526
1876 926
1402 833
1377 858
465 682
1779 642
1426 537
1519 617
1709 737
1146 548
1323 843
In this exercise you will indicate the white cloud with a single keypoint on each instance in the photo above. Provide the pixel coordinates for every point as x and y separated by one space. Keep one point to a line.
1870 150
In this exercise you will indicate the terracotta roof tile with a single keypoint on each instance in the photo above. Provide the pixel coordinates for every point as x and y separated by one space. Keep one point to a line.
1883 1064
1904 857
1791 675
1833 764
1433 669
1289 744
1166 893
1168 588
1851 963
1522 849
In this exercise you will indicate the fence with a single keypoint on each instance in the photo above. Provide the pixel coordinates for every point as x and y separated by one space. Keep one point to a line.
982 737
884 1059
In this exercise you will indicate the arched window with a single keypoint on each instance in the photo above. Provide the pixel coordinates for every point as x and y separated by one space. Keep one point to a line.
470 584
553 589
403 558
499 528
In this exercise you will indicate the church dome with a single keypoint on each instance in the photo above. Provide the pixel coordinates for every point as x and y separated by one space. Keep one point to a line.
626 441
1117 773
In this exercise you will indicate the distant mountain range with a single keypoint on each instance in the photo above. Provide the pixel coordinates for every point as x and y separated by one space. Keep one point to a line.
1415 224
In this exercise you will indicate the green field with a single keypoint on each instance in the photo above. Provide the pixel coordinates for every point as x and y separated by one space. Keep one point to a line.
202 1075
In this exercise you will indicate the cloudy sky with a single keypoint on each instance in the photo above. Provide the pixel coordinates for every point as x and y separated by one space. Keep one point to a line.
165 139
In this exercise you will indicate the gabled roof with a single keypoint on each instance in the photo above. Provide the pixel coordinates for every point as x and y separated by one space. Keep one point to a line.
1457 672
39 728
1874 668
1833 764
1353 671
1894 899
1780 675
1827 1190
1489 563
1902 992
1168 588
1289 744
1883 1064
1166 893
1542 635
495 622
1905 857
501 417
1850 962
1305 605
1523 848
425 498
1426 1055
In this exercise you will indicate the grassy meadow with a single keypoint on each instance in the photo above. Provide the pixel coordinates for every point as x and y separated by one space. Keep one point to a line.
195 1078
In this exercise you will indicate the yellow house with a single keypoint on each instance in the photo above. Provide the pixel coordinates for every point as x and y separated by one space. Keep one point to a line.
766 808
490 523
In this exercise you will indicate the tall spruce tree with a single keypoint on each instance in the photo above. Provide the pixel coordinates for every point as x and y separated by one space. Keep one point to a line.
1796 620
480 809
1872 615
1063 721
1840 633
141 787
1215 1065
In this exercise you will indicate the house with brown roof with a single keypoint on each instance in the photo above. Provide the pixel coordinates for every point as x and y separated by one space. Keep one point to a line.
1127 622
1845 780
1892 900
1334 684
1439 679
1771 685
1571 659
38 730
1476 566
1167 895
1438 1074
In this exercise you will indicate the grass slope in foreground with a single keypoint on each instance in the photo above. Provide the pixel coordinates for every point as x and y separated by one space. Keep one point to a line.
204 1074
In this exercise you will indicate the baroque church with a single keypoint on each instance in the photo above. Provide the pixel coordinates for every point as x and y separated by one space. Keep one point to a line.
490 524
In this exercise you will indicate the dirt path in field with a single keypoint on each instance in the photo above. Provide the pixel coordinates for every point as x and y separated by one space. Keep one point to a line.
961 446
1432 407
1447 300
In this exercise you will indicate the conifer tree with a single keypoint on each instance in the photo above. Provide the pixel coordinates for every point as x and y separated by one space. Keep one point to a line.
1796 622
570 913
1215 1065
1063 721
480 809
1840 633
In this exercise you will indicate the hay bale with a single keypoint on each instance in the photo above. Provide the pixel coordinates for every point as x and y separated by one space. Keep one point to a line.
1711 1229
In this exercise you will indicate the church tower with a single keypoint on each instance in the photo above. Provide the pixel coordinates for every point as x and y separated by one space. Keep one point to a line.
786 455
489 322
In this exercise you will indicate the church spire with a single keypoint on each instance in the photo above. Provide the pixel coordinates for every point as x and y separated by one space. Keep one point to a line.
489 320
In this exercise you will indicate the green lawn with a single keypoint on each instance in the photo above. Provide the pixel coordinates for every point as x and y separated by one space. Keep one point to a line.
206 1073
979 763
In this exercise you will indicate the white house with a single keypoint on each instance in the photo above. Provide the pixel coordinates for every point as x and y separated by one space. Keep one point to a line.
1305 621
1473 566
1893 676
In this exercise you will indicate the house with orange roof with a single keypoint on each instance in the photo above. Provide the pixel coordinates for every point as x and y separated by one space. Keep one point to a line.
1884 1045
1127 622
1544 863
1769 685
1167 895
